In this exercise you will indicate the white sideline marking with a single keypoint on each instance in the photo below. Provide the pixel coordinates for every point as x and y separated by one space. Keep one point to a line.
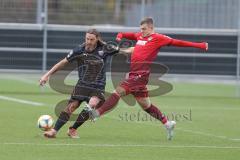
125 145
184 130
203 133
27 81
21 101
235 139
208 134
24 80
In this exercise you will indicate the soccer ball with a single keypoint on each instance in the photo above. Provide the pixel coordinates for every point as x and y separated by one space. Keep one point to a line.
45 122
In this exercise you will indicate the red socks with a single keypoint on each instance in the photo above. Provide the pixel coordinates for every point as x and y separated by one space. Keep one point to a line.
109 104
113 100
156 113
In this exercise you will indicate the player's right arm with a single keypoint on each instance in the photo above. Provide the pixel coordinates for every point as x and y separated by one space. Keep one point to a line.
43 80
72 55
127 35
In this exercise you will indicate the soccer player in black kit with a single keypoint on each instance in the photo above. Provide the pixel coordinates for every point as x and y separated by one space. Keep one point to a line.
91 58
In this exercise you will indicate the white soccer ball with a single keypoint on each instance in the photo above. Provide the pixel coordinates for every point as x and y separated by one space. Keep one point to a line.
45 122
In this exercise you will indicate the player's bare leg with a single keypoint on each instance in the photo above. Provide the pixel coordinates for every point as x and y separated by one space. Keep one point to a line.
147 106
63 118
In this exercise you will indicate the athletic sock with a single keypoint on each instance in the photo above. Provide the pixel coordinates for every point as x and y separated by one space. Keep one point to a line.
109 103
62 119
82 117
156 113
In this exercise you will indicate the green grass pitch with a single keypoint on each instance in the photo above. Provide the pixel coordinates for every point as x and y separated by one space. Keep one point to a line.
208 126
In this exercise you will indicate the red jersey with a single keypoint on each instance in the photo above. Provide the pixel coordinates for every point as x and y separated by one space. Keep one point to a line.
146 49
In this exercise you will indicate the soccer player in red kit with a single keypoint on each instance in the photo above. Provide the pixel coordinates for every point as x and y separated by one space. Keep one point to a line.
143 54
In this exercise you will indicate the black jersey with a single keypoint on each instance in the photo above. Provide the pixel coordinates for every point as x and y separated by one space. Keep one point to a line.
92 65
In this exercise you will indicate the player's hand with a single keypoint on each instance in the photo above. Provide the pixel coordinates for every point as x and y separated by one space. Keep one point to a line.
204 46
119 37
43 80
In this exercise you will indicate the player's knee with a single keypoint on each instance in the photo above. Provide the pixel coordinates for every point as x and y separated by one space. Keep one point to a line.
144 106
92 104
94 101
144 103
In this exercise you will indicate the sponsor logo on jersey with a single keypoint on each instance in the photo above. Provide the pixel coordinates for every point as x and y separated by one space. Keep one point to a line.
141 42
150 38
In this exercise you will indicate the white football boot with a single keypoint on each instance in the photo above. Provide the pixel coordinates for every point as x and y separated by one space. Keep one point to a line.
169 125
93 115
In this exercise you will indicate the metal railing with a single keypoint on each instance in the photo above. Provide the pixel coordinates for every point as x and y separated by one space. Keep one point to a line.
174 17
44 30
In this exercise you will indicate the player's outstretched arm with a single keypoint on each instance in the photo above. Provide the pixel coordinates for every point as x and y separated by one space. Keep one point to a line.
126 51
127 35
43 80
181 43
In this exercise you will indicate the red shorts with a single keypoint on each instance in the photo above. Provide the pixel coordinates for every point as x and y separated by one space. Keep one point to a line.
136 85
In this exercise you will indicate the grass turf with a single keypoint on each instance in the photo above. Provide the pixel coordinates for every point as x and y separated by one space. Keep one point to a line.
207 126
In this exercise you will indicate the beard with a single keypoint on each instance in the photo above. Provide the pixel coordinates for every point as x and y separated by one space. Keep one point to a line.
90 47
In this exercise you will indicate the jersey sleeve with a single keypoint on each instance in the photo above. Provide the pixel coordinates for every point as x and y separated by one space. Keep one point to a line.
130 35
182 43
73 54
164 40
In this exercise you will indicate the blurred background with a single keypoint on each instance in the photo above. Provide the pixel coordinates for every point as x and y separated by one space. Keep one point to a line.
212 14
35 34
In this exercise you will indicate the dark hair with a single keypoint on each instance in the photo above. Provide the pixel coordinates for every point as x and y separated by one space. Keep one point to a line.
97 34
147 20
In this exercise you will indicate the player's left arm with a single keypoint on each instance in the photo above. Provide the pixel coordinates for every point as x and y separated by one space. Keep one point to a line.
182 43
165 40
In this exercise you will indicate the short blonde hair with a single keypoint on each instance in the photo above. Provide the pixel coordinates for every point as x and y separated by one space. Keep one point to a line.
147 20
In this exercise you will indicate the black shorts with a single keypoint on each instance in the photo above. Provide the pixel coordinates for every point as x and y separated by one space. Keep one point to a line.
83 93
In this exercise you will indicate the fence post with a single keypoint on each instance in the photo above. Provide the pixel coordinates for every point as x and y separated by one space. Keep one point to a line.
39 11
238 56
143 9
45 35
